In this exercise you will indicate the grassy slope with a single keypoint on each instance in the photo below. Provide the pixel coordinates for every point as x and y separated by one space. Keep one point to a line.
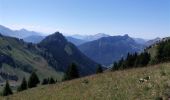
119 85
21 54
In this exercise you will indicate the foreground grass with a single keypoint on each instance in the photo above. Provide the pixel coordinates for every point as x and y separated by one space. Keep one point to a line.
119 85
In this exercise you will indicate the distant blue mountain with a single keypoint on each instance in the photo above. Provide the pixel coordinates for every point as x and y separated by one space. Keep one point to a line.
34 38
23 33
75 41
90 37
153 41
140 40
106 50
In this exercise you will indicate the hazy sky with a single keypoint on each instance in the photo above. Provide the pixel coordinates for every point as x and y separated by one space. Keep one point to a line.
138 18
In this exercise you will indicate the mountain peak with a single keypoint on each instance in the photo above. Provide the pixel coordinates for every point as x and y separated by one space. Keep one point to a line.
65 53
56 37
101 34
126 35
23 29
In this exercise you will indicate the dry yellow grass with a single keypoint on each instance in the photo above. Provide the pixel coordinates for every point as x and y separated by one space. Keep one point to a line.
119 85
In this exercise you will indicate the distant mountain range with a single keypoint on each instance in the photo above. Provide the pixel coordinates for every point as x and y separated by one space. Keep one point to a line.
99 47
90 37
80 39
23 33
106 50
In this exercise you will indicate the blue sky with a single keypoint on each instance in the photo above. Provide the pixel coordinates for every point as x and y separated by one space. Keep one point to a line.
138 18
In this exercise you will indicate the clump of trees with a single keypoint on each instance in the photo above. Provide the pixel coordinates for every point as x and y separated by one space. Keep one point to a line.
163 53
33 81
132 60
48 81
72 72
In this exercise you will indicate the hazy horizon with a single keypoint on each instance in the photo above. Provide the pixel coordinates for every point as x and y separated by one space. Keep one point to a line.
140 19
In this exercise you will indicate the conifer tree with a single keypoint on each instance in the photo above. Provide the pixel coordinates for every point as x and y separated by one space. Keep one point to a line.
33 80
64 77
115 66
7 90
45 81
23 85
51 81
72 72
99 69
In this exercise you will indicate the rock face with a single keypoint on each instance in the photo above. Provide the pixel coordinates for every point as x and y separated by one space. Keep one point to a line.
66 53
109 49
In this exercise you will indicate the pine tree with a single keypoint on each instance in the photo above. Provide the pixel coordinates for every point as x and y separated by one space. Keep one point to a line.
64 77
33 80
115 66
130 60
121 64
163 52
142 59
72 72
45 81
51 81
99 69
7 90
23 85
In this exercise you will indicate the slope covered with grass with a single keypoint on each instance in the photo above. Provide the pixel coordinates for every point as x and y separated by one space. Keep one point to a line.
118 85
19 59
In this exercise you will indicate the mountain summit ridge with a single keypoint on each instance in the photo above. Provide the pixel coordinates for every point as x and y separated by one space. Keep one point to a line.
106 50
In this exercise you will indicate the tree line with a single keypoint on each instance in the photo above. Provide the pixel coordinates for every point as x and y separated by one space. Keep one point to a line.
163 52
32 82
132 60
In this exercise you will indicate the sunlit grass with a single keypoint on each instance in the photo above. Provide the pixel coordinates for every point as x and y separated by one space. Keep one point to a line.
119 85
